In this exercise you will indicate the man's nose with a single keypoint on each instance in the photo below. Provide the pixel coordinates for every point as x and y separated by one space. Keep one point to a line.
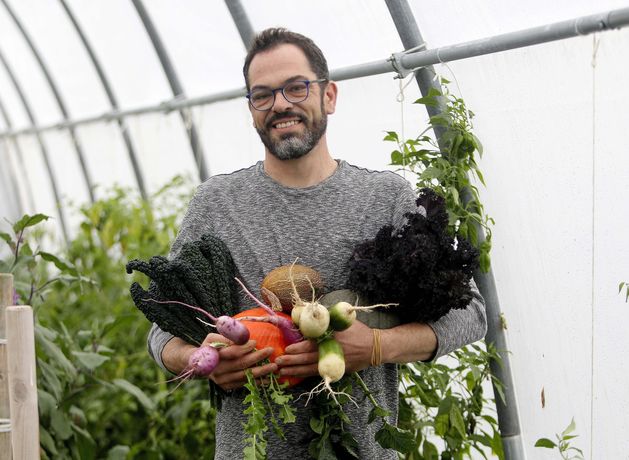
281 104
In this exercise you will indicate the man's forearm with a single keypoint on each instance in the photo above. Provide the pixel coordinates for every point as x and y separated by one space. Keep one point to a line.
176 353
408 343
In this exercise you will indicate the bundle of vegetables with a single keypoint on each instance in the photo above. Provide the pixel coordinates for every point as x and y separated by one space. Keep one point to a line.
201 275
189 295
420 266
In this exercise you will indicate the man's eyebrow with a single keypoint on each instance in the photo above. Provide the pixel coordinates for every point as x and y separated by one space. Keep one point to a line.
288 80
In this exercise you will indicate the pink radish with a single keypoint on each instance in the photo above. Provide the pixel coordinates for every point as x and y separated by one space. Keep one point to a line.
290 333
227 326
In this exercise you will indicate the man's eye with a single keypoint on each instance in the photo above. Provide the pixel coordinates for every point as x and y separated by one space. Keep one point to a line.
258 96
296 88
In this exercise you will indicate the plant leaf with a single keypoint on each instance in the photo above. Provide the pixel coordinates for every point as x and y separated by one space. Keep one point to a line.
545 442
391 437
62 265
90 360
28 221
133 390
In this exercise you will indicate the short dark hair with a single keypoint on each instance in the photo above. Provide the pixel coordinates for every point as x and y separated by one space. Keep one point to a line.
275 36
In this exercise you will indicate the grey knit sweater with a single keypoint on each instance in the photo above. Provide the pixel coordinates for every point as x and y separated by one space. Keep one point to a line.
266 225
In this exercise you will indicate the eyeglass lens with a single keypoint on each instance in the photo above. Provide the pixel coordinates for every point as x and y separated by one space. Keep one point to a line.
263 99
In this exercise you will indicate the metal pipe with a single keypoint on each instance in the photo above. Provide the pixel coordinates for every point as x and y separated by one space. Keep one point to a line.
239 15
401 63
21 207
508 419
137 170
585 25
176 87
58 98
9 190
40 141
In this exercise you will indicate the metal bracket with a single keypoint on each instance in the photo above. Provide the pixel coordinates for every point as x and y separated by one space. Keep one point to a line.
396 61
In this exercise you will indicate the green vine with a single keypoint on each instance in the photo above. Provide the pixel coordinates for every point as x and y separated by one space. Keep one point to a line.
263 401
447 166
444 406
563 444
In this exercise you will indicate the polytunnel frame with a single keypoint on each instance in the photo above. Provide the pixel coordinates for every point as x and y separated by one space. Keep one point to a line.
113 101
17 192
176 87
419 61
42 146
58 98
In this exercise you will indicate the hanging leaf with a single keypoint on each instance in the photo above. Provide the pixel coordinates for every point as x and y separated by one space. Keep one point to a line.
28 221
89 360
391 437
133 390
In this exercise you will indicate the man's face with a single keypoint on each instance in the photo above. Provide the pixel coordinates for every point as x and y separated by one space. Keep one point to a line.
289 130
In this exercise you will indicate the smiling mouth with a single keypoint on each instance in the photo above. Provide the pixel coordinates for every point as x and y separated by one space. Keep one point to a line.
286 124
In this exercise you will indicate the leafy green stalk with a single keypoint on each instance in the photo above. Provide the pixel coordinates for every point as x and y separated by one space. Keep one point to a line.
563 444
388 436
263 401
447 167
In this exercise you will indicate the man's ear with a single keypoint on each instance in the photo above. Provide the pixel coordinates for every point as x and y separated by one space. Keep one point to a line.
329 97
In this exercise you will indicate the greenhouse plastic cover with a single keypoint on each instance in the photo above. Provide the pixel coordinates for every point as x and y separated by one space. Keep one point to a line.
552 119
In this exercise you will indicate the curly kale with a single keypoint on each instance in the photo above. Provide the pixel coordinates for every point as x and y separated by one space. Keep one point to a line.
420 266
201 274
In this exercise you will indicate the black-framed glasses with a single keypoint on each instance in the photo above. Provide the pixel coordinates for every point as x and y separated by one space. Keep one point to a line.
296 91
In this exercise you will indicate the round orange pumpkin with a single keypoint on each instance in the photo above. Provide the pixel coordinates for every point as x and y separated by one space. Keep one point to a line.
267 335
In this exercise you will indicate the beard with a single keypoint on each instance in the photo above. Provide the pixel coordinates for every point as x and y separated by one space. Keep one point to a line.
292 145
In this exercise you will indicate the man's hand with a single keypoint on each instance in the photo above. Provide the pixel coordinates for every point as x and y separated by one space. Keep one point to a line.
235 359
301 359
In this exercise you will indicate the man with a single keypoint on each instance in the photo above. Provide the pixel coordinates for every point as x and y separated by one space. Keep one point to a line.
301 202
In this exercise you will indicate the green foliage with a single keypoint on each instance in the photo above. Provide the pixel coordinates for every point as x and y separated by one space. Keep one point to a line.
329 423
563 444
444 407
447 165
625 286
447 403
99 394
263 401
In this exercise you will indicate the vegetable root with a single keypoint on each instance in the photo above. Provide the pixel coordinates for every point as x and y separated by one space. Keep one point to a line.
331 368
287 328
201 363
226 326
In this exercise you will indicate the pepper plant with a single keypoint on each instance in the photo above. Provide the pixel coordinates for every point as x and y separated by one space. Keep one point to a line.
98 398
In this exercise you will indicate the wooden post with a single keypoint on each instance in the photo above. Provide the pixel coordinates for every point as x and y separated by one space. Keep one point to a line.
22 382
6 299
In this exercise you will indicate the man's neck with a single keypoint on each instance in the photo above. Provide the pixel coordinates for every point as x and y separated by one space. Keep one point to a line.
311 169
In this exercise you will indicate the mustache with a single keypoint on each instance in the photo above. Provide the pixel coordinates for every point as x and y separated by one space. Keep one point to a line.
279 116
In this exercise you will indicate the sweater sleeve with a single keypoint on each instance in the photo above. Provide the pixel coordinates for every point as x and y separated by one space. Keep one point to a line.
157 340
461 327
